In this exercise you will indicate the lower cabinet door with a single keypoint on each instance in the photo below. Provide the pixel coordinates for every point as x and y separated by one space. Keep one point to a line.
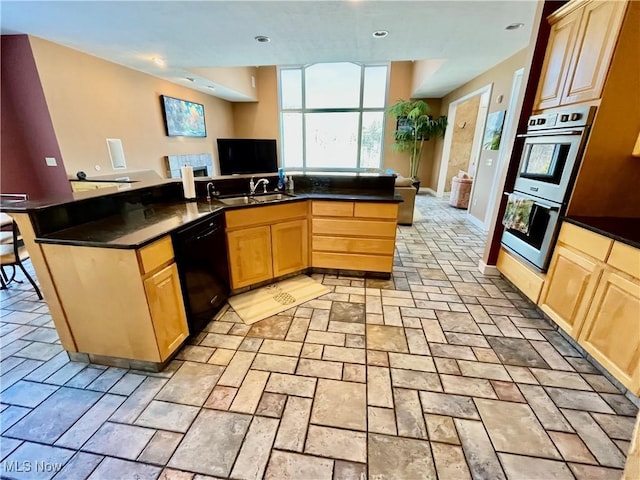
611 331
290 245
250 256
569 287
167 309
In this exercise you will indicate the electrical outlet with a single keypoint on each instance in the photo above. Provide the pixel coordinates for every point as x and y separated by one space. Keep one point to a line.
253 81
51 161
489 162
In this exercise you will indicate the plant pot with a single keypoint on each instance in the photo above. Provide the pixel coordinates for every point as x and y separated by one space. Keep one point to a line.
416 184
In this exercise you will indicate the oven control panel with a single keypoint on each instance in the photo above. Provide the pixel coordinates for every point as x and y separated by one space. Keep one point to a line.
562 118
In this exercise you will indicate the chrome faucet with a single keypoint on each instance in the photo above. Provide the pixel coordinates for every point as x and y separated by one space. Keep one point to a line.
254 185
215 193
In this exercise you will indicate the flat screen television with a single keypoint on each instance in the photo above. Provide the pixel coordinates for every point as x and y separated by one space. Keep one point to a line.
245 155
183 118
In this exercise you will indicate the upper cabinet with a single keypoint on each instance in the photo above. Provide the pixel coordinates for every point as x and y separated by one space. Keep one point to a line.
581 44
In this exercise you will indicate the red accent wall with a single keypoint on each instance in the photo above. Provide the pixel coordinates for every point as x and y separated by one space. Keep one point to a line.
26 131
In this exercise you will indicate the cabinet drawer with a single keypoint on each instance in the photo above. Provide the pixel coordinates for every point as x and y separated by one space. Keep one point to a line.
382 246
528 281
156 254
346 261
332 209
626 258
586 241
262 215
375 210
370 228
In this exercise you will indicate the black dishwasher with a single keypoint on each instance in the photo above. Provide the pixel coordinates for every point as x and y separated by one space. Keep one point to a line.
201 256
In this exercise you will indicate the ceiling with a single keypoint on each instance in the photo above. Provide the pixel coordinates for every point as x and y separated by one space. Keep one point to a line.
461 39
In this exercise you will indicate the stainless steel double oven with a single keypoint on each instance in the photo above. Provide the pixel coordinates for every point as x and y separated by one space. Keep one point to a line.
553 147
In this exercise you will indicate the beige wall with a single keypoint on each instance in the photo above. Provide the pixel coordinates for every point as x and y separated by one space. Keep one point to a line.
400 87
462 138
260 119
501 77
90 100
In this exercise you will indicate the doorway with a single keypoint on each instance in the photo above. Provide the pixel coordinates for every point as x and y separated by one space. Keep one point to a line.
467 116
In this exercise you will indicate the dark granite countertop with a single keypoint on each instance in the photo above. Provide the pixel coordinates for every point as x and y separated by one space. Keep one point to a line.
134 228
73 197
140 225
622 229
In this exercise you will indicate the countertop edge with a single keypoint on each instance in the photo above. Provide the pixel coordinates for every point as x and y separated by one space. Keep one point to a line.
584 224
51 240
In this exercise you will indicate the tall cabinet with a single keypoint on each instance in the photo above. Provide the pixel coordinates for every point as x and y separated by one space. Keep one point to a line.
581 44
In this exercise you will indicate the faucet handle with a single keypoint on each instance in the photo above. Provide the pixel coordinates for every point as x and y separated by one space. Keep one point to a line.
264 186
252 186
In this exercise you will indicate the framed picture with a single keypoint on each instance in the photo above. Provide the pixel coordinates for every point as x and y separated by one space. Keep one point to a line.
404 125
183 118
493 131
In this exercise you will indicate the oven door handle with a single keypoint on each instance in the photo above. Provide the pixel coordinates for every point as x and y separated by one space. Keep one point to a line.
553 133
537 203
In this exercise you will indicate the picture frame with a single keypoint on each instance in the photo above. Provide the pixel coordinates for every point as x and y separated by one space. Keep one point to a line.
183 118
493 130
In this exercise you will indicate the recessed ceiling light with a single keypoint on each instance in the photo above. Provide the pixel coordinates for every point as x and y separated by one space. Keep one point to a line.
514 26
159 61
262 39
380 34
211 87
191 79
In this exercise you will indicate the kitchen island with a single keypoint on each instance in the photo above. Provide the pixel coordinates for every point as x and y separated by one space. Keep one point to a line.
108 270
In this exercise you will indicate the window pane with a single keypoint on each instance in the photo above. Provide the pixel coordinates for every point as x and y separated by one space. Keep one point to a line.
375 86
292 140
372 132
332 85
332 140
291 88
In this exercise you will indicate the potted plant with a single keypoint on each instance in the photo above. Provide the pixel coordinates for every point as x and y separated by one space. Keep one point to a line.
414 126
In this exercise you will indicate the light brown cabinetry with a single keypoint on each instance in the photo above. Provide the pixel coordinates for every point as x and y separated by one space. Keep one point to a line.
611 332
581 45
592 291
266 242
526 279
574 271
353 235
250 255
120 302
289 247
167 309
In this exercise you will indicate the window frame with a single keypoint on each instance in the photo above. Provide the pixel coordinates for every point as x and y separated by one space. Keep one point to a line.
360 110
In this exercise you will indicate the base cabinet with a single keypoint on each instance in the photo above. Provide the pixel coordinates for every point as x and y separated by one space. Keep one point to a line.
289 247
250 256
353 235
167 310
611 332
569 287
119 302
266 242
592 291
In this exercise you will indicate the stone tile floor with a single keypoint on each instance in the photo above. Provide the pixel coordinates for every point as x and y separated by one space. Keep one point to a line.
439 372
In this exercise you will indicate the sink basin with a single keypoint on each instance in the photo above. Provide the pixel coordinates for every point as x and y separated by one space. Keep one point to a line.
255 199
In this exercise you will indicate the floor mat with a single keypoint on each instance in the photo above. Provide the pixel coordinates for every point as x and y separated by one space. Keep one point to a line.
259 304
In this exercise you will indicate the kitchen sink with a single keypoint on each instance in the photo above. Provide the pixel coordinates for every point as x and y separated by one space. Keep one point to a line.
255 199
